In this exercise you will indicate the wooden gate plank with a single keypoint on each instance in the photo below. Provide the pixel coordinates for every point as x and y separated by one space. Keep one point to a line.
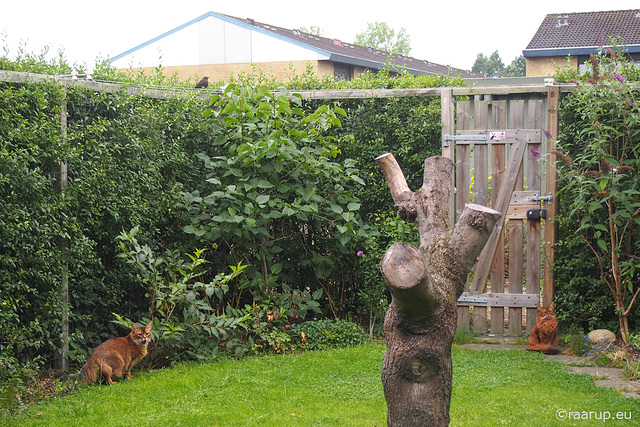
502 204
516 227
497 265
463 181
481 184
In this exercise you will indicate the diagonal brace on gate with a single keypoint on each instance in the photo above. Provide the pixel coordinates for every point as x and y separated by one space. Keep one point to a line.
481 273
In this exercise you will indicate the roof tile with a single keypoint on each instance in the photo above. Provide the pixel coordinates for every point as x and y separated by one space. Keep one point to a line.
587 29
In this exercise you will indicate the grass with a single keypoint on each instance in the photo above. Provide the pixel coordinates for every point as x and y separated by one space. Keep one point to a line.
339 387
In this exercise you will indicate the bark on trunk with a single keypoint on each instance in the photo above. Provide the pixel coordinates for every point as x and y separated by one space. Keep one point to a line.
425 284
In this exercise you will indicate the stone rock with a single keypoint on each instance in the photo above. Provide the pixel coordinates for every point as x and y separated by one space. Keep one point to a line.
601 335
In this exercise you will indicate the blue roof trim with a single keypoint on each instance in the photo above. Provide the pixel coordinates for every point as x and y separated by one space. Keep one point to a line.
224 18
161 36
536 53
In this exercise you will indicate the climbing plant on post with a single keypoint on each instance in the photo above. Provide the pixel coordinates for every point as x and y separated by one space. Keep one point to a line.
425 284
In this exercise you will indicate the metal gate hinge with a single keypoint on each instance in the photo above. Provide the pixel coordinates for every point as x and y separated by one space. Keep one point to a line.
465 298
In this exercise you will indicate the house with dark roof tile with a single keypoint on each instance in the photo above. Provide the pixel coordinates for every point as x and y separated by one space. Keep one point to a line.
216 45
579 35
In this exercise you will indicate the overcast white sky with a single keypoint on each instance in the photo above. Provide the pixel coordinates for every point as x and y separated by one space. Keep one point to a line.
445 32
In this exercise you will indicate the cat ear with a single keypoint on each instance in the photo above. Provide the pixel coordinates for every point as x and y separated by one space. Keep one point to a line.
551 305
538 306
134 327
148 327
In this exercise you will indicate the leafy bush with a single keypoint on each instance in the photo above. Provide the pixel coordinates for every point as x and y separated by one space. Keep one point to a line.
32 259
582 300
634 340
327 333
599 178
631 369
373 295
579 344
276 196
184 307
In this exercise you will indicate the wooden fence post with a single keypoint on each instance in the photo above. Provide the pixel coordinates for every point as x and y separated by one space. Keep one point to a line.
550 225
61 184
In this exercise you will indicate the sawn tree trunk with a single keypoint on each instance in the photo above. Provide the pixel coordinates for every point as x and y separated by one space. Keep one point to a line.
425 284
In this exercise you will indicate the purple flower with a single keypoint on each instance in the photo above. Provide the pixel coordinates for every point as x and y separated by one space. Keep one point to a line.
548 134
360 253
620 78
629 102
535 152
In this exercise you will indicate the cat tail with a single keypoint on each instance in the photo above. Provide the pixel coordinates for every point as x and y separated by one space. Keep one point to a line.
89 373
546 349
64 377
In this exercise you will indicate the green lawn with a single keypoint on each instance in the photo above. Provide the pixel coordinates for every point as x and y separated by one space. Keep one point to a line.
331 388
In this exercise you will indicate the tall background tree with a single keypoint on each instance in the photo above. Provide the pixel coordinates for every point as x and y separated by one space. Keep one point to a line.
381 36
518 67
314 29
493 66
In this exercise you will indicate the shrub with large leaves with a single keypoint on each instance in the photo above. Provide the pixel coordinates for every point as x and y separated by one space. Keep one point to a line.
600 146
275 197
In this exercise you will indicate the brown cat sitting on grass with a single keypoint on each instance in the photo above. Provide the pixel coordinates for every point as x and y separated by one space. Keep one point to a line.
544 335
114 357
117 355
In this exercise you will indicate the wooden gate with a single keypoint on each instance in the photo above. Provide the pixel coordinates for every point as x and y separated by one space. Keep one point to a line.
502 151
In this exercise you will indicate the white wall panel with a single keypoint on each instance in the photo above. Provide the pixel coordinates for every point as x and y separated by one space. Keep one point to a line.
270 49
211 41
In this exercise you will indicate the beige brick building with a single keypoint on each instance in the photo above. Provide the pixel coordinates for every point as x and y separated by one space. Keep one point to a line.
570 38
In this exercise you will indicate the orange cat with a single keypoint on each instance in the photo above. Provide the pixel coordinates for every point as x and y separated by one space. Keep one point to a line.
544 335
117 356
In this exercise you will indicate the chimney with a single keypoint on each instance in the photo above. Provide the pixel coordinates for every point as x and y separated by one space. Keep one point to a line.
563 21
337 42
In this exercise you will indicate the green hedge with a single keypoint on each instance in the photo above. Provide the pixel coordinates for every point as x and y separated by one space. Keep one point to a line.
131 159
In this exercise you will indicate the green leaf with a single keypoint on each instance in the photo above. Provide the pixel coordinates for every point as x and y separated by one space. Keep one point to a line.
287 211
191 296
603 183
276 268
594 206
262 199
602 245
263 183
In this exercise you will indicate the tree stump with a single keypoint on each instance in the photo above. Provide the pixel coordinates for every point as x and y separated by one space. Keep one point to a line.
425 284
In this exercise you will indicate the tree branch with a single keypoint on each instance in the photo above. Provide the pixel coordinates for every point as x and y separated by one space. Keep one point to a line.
403 197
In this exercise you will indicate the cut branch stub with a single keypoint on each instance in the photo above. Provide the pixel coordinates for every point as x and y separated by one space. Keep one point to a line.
403 197
468 238
404 271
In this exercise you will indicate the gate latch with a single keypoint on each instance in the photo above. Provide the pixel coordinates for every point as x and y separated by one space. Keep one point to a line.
536 214
538 198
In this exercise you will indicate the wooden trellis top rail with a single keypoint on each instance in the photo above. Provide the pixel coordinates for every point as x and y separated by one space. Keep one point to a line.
165 92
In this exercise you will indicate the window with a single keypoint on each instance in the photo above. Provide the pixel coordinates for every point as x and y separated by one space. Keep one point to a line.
342 72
